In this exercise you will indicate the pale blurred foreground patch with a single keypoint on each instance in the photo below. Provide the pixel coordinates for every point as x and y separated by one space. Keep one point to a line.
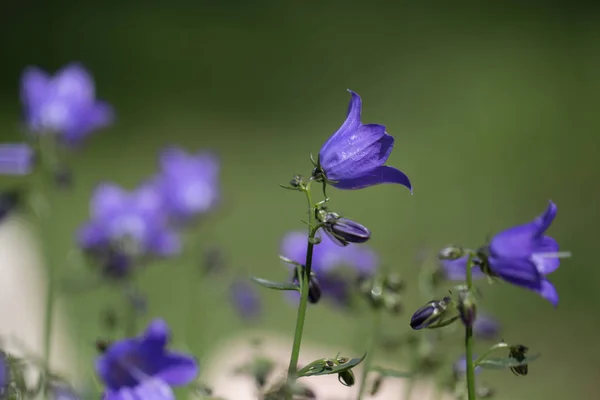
219 370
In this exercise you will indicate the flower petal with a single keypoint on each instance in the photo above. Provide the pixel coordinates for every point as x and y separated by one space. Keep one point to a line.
366 149
92 235
178 369
86 118
350 125
112 366
34 89
107 199
549 292
73 84
157 334
545 263
518 271
16 159
544 221
165 243
383 174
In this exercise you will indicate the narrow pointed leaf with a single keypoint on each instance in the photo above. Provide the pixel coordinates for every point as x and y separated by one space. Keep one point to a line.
275 285
505 362
328 366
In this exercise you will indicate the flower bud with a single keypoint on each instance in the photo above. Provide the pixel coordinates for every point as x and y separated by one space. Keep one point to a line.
467 308
346 377
429 314
297 181
392 303
518 353
451 253
394 282
314 289
344 230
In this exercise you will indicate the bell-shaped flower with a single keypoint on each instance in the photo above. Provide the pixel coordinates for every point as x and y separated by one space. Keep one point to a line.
143 368
64 104
524 255
354 156
126 225
189 183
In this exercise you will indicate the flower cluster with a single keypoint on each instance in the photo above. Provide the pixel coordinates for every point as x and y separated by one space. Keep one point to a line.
127 228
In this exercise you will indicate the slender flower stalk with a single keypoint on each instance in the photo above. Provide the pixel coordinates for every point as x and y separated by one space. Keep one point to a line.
304 285
375 328
469 337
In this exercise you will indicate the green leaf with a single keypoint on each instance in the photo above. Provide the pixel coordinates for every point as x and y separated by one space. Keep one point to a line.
392 373
328 366
505 362
275 285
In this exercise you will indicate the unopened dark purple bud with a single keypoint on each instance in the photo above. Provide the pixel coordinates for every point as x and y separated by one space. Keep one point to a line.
314 290
451 253
297 181
429 314
347 230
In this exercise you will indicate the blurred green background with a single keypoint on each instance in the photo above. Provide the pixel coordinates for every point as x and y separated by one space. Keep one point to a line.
493 106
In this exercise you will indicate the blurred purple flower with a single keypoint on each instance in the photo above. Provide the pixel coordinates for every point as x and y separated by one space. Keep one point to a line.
335 267
16 159
64 104
486 327
189 182
354 156
143 368
455 270
460 366
127 224
245 299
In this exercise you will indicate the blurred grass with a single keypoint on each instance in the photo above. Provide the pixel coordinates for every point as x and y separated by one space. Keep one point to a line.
493 108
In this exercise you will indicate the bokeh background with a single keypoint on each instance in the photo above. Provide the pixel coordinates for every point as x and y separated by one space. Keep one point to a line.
493 106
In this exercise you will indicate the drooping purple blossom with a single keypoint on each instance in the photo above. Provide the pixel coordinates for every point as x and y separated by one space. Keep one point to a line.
127 225
189 182
64 104
245 299
16 159
524 255
143 368
334 266
354 156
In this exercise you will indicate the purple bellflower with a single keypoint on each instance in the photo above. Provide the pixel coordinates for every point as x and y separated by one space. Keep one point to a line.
524 255
334 266
16 159
354 156
245 299
127 225
143 368
188 182
64 104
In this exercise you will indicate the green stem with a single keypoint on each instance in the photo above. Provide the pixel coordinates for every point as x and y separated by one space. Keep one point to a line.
469 338
370 351
304 284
